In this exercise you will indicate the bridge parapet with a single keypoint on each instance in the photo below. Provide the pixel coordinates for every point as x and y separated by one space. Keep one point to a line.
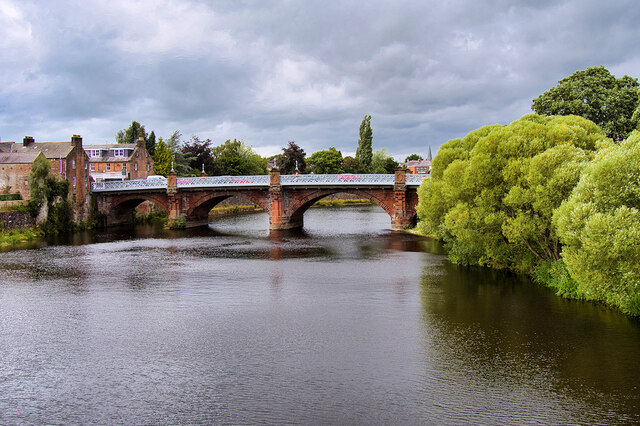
129 185
414 179
341 179
217 181
346 179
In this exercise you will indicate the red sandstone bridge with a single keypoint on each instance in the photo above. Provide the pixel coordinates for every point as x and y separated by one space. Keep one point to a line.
284 197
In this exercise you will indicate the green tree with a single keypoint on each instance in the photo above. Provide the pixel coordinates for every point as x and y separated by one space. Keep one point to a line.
492 194
413 157
181 159
382 162
131 134
600 227
49 202
326 161
292 156
364 152
235 158
150 144
351 165
162 159
596 95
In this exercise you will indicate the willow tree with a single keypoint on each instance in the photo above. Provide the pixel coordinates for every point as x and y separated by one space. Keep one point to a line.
492 194
600 227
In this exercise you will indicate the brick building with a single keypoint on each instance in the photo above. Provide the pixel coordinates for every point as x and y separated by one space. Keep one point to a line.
119 161
418 166
15 168
67 160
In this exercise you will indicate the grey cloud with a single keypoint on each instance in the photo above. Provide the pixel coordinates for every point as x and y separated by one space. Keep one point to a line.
305 71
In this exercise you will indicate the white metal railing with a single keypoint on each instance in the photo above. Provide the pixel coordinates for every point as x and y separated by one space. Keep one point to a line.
129 185
415 179
257 180
341 179
216 181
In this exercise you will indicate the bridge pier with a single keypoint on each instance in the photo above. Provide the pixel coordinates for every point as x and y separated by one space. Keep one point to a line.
403 212
277 219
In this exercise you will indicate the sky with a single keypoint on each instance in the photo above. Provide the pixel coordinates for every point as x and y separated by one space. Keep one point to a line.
269 72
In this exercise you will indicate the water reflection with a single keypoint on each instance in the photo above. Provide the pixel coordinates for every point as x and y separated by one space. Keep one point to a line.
344 322
510 333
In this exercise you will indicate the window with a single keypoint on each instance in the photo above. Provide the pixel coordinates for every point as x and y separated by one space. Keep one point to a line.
85 164
95 153
73 180
93 167
135 167
73 163
118 152
148 167
108 166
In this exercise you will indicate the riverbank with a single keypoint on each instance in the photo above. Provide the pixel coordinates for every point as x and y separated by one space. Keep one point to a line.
19 236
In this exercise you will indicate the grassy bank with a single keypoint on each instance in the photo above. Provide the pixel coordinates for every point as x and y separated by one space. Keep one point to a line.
18 236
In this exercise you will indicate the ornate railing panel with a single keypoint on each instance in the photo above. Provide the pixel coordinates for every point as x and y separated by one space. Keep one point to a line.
414 179
129 185
341 179
216 181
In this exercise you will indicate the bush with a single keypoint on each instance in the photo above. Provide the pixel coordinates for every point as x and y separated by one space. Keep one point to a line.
10 197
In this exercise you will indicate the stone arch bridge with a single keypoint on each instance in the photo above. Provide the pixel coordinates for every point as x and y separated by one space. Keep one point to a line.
284 197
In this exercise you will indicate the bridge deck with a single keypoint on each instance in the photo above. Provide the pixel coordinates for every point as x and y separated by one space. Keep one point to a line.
344 179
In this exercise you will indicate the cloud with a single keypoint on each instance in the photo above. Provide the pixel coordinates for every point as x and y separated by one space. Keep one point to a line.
308 71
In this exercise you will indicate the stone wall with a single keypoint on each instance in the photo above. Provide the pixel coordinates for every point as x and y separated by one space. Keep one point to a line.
15 219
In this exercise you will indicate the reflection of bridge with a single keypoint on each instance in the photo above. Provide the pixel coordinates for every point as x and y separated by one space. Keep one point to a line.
285 198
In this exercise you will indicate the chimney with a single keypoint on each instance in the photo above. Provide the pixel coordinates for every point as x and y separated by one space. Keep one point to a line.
141 142
76 140
27 141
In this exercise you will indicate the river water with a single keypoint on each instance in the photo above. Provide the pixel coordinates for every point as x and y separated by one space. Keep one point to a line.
343 323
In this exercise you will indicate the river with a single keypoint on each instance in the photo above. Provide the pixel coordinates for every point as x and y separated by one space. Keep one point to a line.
343 323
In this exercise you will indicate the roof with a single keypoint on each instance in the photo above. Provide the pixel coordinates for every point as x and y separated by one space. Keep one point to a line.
111 145
18 157
418 163
51 150
110 158
6 146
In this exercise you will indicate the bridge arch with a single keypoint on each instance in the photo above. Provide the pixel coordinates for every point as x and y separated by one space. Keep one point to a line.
202 203
300 205
121 208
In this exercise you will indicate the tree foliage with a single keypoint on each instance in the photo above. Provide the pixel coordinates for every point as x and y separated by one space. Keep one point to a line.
600 227
162 158
236 158
351 165
492 194
413 157
292 156
326 161
200 152
596 95
131 134
49 198
181 159
364 152
382 162
150 143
